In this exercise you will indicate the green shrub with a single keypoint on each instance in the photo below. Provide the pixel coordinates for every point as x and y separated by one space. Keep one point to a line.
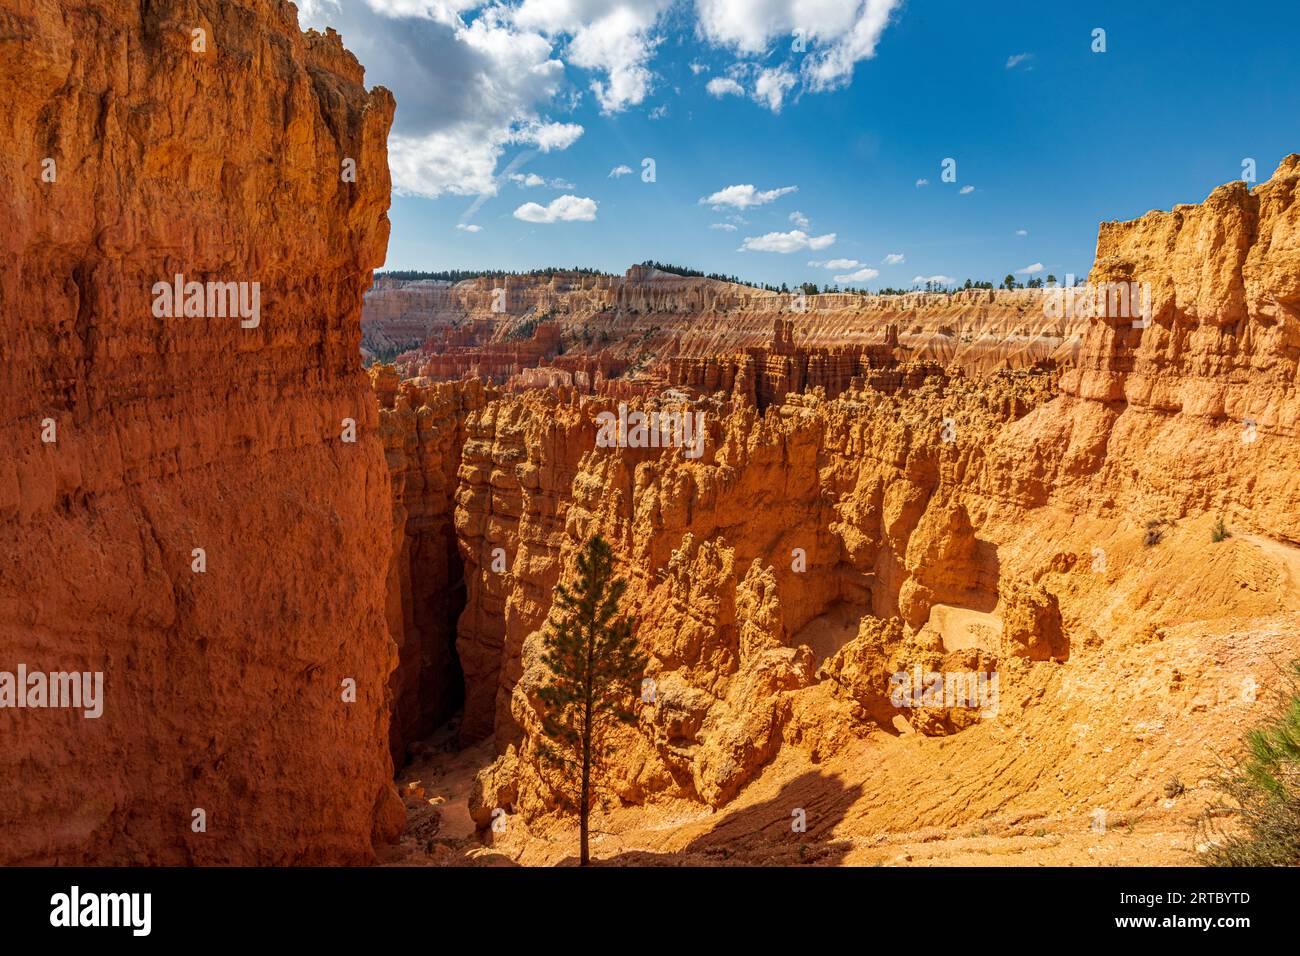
1263 793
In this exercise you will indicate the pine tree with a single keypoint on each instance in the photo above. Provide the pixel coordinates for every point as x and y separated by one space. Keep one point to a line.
596 668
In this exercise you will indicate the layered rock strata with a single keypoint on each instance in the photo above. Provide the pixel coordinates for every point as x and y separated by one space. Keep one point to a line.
1010 523
651 319
195 506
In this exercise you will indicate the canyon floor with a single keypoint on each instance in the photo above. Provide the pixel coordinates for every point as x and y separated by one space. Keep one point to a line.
1091 766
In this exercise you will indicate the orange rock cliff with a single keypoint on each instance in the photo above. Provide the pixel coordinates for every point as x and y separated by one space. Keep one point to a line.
995 520
133 440
290 572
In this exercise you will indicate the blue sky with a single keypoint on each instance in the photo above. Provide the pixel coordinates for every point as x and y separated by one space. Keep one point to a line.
1052 136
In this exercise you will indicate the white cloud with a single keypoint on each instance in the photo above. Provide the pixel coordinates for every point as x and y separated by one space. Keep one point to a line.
1022 232
659 112
836 264
937 280
613 37
838 35
562 209
1030 269
468 227
618 171
800 220
745 195
966 190
772 85
724 226
473 78
549 136
922 182
793 241
894 258
862 275
1015 60
724 86
532 180
465 90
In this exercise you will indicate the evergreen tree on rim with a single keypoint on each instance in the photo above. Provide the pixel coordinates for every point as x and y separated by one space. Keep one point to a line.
596 668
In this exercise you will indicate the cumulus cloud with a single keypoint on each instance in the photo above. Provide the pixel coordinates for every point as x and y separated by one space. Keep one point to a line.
836 264
793 241
744 196
772 85
549 136
862 275
466 89
724 86
1022 232
922 182
894 258
937 280
473 78
1030 269
835 36
800 220
468 227
966 190
724 226
620 170
611 37
562 209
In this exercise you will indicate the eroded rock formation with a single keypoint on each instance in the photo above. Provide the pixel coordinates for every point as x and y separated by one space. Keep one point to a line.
136 153
678 330
932 520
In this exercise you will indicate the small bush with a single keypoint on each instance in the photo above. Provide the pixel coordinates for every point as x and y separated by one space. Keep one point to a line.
1263 793
1153 537
1220 532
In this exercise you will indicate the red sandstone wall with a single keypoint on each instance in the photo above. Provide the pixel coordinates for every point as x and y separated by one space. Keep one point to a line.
223 688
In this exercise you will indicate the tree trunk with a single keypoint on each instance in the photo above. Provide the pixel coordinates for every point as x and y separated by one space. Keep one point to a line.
584 810
584 858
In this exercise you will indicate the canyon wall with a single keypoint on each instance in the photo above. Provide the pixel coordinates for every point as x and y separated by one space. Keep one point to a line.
400 315
423 430
652 319
181 506
1010 521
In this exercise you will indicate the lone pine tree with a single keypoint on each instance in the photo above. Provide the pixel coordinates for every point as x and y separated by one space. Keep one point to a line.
596 668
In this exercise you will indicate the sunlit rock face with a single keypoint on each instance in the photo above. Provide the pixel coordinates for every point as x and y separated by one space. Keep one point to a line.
198 528
938 517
